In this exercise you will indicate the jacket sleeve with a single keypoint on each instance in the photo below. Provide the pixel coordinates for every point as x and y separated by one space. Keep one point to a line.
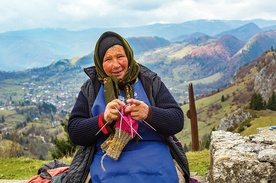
82 128
167 117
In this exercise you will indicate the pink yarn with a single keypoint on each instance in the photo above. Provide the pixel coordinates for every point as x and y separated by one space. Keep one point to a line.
126 123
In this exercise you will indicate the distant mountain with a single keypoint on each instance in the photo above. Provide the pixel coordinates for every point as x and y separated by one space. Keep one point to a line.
258 44
269 28
143 44
26 49
183 38
208 62
231 44
243 33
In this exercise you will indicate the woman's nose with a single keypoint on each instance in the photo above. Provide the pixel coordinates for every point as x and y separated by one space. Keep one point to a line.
116 63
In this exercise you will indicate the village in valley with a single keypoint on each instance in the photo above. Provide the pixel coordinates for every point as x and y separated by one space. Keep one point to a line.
32 109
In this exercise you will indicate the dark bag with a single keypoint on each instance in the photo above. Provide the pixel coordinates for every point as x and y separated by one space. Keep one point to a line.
179 155
80 166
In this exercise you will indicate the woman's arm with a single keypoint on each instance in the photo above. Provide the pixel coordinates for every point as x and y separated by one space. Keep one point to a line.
82 128
166 117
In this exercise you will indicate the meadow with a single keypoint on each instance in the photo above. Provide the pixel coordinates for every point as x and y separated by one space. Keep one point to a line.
25 168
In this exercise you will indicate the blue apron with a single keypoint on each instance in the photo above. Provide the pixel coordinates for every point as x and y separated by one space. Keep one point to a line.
149 160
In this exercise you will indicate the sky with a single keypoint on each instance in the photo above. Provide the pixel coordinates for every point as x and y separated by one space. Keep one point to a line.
84 14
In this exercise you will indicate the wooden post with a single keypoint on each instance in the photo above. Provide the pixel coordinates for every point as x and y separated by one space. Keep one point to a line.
191 113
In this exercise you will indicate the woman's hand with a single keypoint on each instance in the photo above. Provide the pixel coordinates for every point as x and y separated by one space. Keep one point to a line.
111 112
137 109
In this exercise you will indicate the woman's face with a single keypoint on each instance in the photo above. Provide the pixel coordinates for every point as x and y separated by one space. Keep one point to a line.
115 62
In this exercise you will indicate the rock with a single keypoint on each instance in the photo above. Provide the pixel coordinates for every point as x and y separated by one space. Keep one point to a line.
242 159
233 119
265 80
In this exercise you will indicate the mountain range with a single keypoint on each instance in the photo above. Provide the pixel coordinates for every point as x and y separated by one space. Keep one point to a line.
25 49
204 52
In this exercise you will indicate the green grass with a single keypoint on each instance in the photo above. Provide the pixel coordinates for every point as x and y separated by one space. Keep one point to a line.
199 161
10 89
25 168
260 122
22 168
19 168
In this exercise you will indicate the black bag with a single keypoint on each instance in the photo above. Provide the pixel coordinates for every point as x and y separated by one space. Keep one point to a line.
80 166
179 155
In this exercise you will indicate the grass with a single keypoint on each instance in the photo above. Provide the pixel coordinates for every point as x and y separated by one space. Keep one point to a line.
199 161
19 168
25 168
264 120
206 122
22 168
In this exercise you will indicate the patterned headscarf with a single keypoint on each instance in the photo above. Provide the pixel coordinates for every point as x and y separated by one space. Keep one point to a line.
112 85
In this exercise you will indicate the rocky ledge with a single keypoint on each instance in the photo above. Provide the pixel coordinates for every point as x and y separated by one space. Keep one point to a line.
243 159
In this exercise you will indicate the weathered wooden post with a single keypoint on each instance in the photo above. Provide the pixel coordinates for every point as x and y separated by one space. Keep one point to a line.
191 113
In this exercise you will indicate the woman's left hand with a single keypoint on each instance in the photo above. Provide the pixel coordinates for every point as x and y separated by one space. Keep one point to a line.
137 109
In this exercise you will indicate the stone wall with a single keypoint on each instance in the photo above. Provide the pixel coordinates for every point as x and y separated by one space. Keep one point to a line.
240 159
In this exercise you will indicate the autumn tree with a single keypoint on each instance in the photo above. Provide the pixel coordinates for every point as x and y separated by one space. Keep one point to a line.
14 149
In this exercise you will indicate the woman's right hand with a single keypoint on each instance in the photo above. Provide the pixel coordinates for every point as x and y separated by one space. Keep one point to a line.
112 109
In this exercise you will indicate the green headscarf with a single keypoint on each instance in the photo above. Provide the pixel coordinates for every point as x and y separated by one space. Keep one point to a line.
112 85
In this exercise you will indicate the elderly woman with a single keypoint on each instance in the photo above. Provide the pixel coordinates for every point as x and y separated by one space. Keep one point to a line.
125 112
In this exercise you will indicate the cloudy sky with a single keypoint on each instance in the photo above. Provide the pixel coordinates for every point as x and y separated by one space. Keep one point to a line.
82 14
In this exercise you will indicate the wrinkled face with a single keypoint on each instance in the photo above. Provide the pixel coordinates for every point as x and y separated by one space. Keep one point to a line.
115 62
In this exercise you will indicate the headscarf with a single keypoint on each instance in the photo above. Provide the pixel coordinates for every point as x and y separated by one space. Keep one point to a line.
112 85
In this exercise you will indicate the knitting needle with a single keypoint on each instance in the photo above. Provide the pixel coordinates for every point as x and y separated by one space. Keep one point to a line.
101 128
149 125
130 103
120 126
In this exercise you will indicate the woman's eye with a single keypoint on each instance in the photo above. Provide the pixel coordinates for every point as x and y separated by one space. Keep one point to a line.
107 60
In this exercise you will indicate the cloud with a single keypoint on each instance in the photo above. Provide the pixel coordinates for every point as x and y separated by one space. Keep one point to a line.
82 14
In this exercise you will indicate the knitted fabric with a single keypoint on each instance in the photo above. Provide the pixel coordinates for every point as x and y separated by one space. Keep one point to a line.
125 129
113 147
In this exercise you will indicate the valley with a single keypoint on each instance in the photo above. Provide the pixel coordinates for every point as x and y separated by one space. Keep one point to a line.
34 102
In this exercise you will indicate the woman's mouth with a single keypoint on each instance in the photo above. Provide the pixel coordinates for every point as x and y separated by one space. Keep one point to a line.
117 73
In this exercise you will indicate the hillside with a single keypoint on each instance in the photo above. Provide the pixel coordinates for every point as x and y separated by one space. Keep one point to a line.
237 95
33 105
